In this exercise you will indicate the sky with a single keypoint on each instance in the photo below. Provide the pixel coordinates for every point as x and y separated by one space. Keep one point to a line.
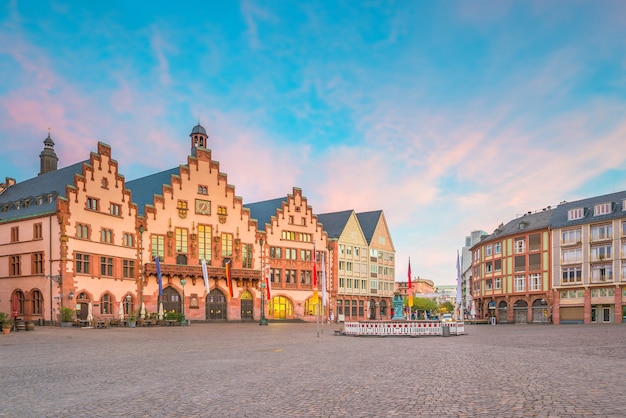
450 116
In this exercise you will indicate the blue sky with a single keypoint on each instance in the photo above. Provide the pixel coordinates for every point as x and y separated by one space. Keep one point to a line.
450 116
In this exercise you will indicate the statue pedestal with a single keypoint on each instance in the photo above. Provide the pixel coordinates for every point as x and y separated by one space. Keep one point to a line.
398 307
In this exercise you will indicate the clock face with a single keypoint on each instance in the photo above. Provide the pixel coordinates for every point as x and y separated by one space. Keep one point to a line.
203 207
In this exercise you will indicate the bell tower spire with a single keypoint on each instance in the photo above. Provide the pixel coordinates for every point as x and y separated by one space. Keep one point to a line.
48 158
199 138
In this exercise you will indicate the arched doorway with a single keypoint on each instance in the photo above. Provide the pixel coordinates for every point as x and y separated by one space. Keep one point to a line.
215 305
383 309
171 300
82 306
521 312
502 312
280 308
540 311
246 306
372 309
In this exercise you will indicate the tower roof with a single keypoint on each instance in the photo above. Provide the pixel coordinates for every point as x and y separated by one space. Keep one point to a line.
198 129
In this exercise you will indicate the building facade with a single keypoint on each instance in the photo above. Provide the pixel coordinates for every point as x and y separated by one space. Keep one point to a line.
83 237
511 271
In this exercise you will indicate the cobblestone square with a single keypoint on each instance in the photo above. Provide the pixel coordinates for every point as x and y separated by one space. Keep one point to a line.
300 369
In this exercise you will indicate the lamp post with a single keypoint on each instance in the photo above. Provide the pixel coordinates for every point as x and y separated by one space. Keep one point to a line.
183 282
263 319
141 229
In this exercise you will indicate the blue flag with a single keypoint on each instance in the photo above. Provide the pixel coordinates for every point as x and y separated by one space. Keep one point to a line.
159 279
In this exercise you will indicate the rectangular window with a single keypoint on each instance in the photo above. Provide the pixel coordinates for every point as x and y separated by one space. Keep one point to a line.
520 263
204 242
571 255
37 231
572 275
106 266
574 214
275 252
106 235
158 244
534 262
601 252
601 273
488 267
115 209
488 249
246 256
498 247
275 275
82 231
601 232
488 285
349 285
520 283
291 254
15 234
128 269
497 265
181 240
497 283
534 242
227 244
602 209
82 263
571 236
15 268
305 255
38 263
520 246
92 204
203 190
305 277
534 281
290 276
128 239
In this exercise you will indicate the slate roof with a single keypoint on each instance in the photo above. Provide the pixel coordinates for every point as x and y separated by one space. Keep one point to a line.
530 222
334 223
143 189
263 211
559 219
49 184
369 221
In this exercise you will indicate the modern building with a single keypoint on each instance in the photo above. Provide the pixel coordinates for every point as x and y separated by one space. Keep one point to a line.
467 302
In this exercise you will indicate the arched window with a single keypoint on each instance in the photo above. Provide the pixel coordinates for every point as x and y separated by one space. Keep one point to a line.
280 308
129 305
106 304
37 302
20 302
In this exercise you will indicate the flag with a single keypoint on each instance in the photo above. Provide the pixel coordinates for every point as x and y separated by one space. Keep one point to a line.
323 281
458 280
229 279
159 276
314 276
410 286
205 276
267 282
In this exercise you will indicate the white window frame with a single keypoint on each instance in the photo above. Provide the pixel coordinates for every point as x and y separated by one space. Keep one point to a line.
520 246
601 232
574 275
520 283
602 273
601 252
602 209
571 236
571 255
574 214
534 281
488 249
498 247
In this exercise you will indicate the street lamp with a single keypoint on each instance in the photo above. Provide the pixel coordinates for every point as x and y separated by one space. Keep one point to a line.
183 282
263 319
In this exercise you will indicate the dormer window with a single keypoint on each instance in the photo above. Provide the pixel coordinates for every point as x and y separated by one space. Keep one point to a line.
602 209
574 214
624 205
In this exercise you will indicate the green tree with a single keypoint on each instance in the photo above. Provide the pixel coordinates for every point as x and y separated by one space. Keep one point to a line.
447 307
424 304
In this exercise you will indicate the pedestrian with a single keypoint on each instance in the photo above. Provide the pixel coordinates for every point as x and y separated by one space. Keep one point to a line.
332 317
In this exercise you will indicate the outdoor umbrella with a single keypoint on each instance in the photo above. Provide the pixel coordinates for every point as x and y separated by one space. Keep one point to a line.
15 307
89 312
142 311
160 311
121 312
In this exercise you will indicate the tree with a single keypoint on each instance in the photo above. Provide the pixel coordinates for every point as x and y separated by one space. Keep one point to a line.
424 304
446 307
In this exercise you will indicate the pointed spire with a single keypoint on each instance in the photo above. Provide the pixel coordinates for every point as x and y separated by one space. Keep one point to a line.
48 158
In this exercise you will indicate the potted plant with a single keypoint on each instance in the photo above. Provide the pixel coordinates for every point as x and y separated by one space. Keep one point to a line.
66 314
6 322
132 321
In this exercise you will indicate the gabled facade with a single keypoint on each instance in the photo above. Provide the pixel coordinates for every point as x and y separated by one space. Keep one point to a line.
511 271
589 260
293 242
